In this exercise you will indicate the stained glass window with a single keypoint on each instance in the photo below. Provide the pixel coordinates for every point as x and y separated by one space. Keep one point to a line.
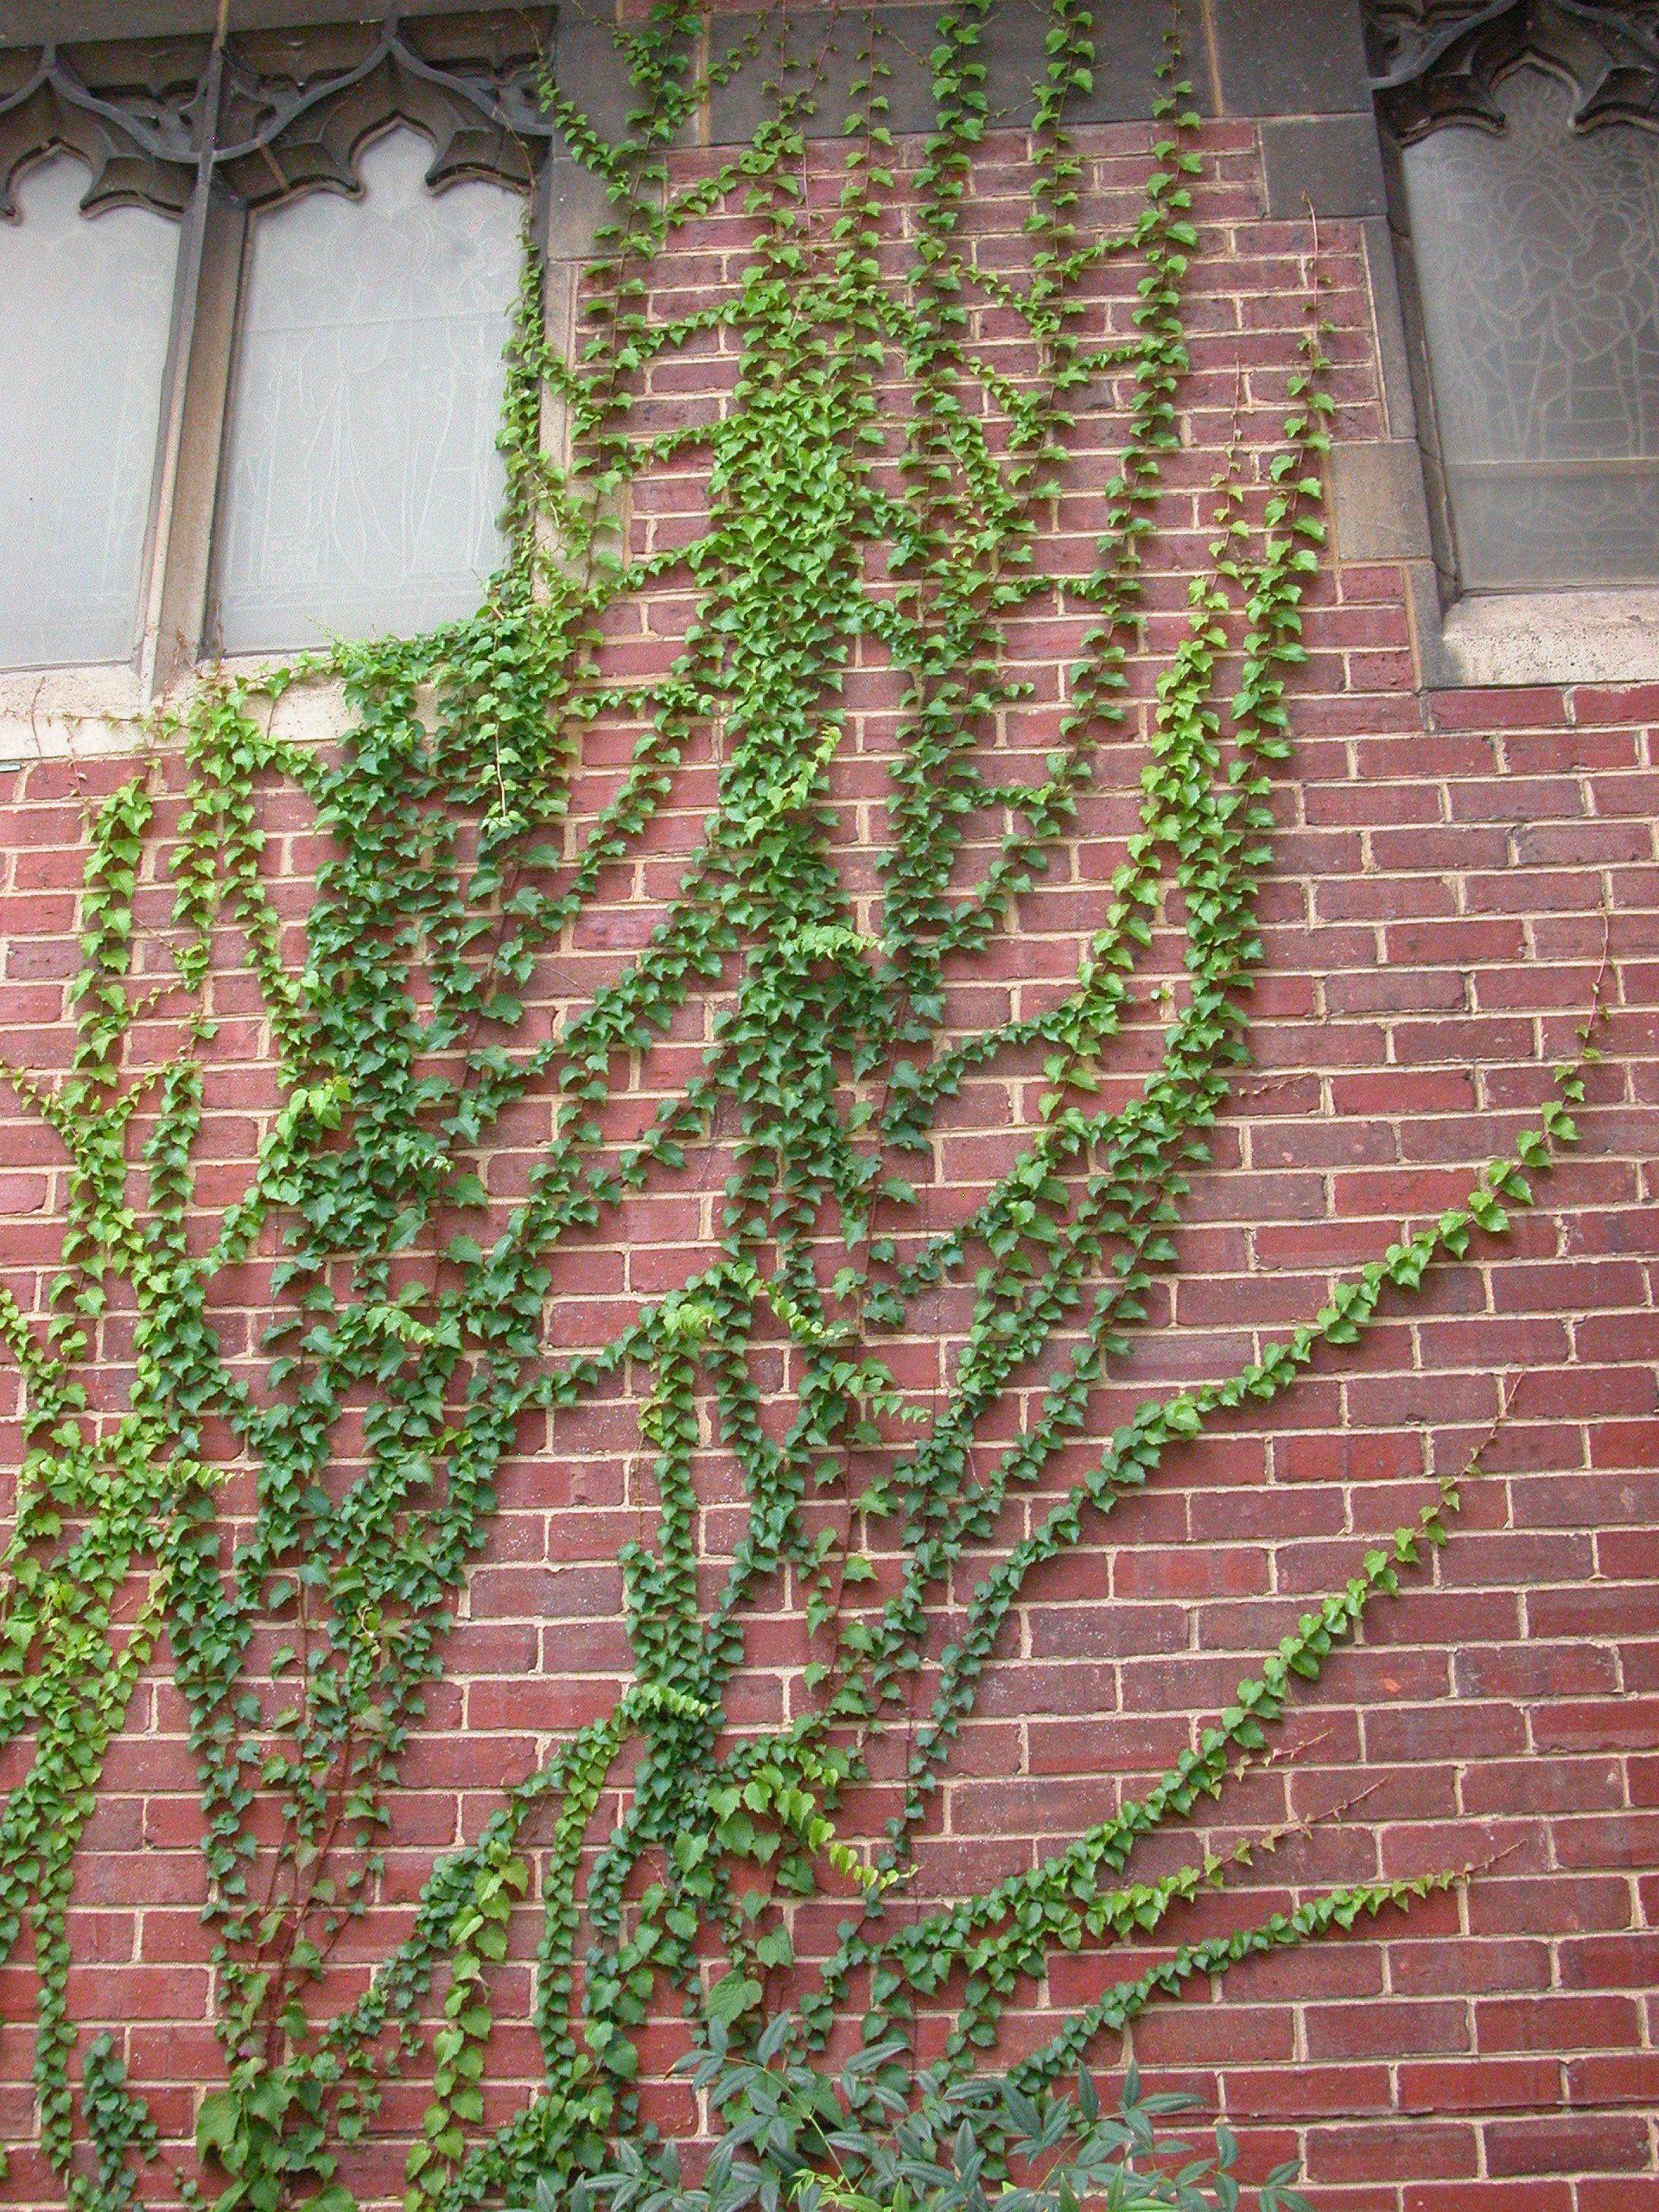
361 484
87 303
1537 255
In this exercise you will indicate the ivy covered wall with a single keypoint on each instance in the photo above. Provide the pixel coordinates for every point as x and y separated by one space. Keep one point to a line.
808 1366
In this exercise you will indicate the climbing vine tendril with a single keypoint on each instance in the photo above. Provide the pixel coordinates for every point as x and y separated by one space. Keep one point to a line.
302 1523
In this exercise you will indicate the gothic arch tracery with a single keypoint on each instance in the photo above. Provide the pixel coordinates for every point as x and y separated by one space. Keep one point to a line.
292 114
1441 61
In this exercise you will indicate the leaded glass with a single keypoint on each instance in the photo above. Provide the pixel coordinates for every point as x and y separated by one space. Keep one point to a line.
1537 255
362 483
86 302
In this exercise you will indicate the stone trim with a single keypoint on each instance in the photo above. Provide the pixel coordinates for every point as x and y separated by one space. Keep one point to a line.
1603 637
136 122
267 117
1330 161
208 132
1501 640
1378 511
1290 57
73 713
1441 61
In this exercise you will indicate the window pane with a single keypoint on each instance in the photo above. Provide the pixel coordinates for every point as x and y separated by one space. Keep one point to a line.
362 482
85 305
1538 259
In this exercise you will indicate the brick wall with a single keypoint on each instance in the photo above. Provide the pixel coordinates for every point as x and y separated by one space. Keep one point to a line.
1451 869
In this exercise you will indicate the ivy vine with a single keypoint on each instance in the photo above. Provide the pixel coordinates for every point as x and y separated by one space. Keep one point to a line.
877 490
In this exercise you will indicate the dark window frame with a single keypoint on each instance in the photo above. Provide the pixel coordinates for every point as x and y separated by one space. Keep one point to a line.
1441 62
210 130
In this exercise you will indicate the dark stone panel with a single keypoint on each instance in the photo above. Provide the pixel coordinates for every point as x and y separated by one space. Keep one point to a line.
1011 47
32 23
1128 37
827 55
589 71
1332 160
1426 597
577 205
1129 41
736 109
905 46
1378 501
1393 346
1129 46
1291 57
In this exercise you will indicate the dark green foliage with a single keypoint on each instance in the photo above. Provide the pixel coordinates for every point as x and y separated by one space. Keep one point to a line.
868 2140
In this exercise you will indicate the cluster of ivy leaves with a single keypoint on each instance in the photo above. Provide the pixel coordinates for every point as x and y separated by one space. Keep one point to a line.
874 488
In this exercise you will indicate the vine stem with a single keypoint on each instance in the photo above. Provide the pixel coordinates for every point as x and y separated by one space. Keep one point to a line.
400 1065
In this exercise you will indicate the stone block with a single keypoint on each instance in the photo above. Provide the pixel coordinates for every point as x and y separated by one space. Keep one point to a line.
1608 638
589 72
1129 47
577 205
826 51
1377 502
1393 347
1330 159
1291 57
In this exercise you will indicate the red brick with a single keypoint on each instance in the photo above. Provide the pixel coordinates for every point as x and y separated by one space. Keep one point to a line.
1569 2142
1430 931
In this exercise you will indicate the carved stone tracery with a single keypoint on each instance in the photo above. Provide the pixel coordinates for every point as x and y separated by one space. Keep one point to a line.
1442 61
468 83
293 112
138 123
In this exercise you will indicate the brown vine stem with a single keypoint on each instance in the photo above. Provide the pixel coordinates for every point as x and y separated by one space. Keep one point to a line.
1286 1754
277 1996
1467 1874
1304 1828
1508 1391
1597 1009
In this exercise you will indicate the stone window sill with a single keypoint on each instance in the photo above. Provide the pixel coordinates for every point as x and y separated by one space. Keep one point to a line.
1545 637
64 714
1495 639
